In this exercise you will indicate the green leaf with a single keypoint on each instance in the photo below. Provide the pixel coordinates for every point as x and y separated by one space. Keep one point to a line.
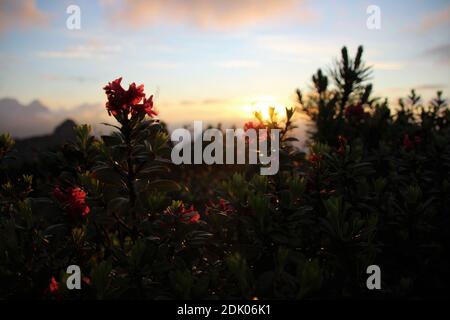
118 205
164 185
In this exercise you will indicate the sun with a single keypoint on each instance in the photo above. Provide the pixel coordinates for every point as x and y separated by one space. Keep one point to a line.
263 104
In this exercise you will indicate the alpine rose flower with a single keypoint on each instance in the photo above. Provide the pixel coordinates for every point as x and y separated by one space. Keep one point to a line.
134 95
53 287
146 106
314 158
73 201
223 206
187 215
122 102
252 125
256 126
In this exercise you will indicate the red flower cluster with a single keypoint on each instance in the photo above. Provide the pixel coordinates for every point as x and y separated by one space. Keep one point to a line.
121 101
252 125
73 200
53 287
189 215
409 144
223 206
355 111
87 280
314 158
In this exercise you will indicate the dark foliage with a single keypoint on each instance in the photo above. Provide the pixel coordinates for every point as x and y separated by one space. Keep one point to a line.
373 189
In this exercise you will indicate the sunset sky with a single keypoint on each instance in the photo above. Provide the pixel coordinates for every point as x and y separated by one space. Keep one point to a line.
211 60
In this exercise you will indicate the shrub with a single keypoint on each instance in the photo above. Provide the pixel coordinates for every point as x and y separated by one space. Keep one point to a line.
373 189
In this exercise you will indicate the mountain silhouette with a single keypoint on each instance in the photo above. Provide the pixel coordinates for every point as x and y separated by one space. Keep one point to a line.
36 119
28 150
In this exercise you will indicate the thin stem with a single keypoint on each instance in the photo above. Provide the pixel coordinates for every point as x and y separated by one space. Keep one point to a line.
130 165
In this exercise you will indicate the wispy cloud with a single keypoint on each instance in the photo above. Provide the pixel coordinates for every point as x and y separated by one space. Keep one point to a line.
21 14
62 77
380 65
431 86
435 19
427 90
441 53
237 64
203 102
93 49
161 64
296 47
205 14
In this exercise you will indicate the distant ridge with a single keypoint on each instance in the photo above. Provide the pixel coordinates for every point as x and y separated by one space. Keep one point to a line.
28 149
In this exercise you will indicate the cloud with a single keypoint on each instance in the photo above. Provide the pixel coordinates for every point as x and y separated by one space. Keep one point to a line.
428 90
92 49
204 14
379 65
435 19
203 102
237 64
20 14
423 87
70 78
441 53
432 87
161 64
297 48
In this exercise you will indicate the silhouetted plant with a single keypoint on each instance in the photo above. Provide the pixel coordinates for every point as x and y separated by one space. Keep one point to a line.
373 188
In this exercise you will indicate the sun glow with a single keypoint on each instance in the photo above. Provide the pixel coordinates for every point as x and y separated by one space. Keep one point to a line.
262 105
